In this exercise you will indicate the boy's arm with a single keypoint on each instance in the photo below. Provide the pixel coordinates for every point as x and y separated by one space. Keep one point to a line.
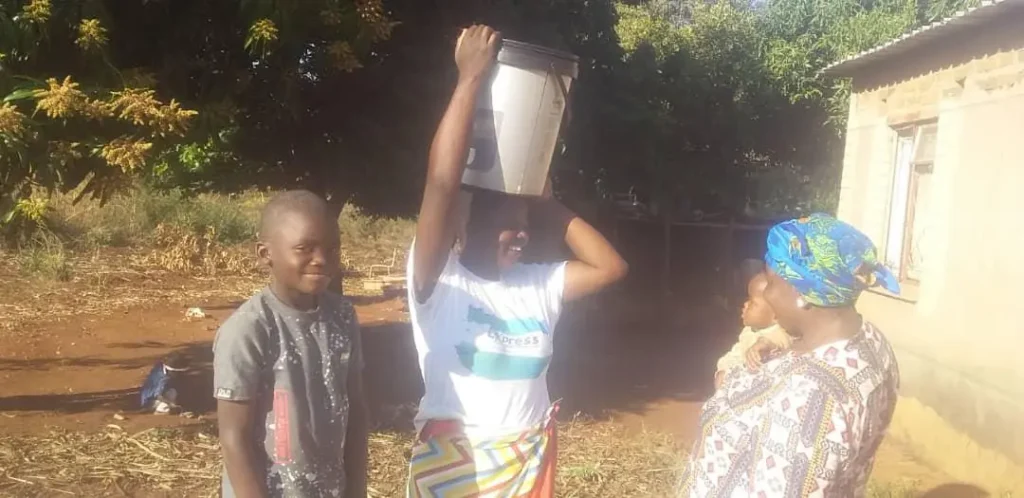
435 228
247 475
732 358
735 356
766 342
597 264
357 431
238 358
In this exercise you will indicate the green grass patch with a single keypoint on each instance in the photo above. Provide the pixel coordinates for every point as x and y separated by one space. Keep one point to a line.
44 257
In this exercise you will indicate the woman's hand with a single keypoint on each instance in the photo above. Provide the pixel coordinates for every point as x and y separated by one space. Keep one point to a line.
475 52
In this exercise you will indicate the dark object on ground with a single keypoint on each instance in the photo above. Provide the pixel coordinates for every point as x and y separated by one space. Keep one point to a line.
160 389
956 490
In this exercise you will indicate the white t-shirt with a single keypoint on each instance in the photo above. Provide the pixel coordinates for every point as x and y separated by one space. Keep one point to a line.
484 346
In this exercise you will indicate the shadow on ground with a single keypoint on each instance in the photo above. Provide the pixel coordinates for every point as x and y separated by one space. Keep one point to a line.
609 358
955 490
195 391
612 355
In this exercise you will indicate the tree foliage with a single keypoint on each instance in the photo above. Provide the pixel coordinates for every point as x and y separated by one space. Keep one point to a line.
709 105
738 96
96 92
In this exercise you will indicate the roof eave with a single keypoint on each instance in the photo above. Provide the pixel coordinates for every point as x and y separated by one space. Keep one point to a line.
985 12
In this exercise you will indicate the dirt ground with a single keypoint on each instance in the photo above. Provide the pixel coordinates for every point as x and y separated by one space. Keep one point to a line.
82 372
85 373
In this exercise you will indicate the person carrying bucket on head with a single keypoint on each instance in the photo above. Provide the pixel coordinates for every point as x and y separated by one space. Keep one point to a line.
482 320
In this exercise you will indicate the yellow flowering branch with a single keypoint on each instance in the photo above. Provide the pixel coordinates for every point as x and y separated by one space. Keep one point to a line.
92 35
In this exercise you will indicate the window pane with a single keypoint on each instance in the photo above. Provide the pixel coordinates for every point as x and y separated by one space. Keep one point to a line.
918 242
924 150
898 203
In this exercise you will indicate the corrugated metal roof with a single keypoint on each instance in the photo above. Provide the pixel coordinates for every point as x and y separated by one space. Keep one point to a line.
986 11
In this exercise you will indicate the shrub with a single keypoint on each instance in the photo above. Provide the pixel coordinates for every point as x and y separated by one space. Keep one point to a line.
44 257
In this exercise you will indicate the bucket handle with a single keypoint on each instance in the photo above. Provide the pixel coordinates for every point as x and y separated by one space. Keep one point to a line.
567 115
565 95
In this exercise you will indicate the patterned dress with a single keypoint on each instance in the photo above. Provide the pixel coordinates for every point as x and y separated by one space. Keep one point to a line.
803 425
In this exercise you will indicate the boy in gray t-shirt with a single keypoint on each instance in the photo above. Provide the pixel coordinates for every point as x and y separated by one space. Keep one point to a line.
288 367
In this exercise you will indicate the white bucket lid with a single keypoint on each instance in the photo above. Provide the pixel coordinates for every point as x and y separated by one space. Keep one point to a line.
529 56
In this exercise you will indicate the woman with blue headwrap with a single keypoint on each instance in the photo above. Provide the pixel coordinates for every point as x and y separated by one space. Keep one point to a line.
808 422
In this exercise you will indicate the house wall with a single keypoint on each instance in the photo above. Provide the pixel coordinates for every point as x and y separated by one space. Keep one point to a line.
959 334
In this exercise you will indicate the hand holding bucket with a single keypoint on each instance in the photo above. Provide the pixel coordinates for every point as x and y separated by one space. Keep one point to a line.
475 51
519 112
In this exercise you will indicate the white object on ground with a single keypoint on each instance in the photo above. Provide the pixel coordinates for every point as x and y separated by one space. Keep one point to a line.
161 408
195 313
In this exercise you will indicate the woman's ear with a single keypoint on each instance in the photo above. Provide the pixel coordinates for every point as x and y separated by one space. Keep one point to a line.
865 274
263 254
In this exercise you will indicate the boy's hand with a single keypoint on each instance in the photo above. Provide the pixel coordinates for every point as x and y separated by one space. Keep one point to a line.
475 51
757 352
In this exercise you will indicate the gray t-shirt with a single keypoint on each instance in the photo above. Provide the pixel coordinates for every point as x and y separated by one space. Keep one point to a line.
294 366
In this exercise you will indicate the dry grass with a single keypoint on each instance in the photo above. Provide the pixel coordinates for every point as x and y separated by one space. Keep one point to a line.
104 282
596 459
603 459
389 456
182 250
144 247
191 235
107 281
90 464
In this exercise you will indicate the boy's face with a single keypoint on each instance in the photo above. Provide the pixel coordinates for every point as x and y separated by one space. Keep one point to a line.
302 251
757 313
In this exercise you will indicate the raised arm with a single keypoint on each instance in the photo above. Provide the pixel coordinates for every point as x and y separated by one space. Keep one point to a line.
596 265
435 230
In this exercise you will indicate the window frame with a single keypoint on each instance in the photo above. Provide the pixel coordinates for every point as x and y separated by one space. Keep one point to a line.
915 169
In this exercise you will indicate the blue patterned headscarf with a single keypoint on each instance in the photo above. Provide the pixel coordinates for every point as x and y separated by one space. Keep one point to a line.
828 261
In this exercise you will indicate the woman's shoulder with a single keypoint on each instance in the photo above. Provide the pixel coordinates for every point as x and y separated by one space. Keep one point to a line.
852 370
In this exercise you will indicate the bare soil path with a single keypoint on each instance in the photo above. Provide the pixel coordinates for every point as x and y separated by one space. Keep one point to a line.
85 373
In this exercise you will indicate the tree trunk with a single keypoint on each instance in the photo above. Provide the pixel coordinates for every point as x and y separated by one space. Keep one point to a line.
666 264
335 204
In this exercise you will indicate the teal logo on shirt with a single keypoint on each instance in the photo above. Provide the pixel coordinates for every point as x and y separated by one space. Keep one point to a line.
516 333
500 366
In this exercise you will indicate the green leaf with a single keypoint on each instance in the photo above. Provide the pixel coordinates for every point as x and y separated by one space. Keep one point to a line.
20 94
